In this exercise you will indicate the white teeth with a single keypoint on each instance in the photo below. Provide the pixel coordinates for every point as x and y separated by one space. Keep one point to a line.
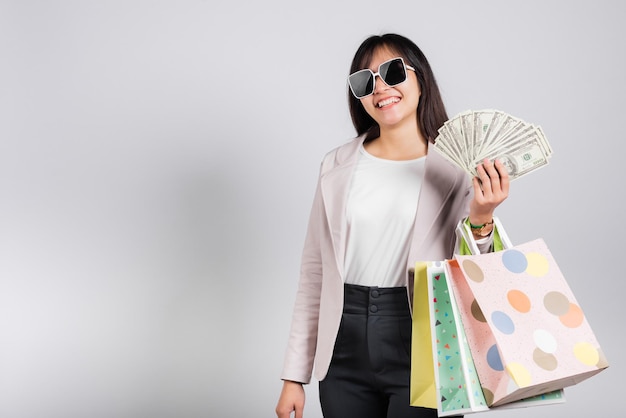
388 101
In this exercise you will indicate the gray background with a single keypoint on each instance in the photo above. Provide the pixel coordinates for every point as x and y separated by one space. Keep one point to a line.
158 161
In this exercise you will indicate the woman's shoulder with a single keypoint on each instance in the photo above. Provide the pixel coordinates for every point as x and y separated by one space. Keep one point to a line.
341 154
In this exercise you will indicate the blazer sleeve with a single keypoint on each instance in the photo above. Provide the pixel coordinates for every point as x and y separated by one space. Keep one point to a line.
300 354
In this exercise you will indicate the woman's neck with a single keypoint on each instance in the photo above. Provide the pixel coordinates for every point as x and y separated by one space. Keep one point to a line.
398 144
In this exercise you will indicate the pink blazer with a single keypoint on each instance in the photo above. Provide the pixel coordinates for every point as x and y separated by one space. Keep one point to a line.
444 200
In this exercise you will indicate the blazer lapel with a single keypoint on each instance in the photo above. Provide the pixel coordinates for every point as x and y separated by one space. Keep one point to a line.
335 182
437 187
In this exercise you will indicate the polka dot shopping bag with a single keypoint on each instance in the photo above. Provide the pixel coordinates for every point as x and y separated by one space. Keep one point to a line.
526 331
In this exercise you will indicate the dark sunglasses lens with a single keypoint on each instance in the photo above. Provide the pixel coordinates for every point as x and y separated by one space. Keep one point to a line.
361 83
392 72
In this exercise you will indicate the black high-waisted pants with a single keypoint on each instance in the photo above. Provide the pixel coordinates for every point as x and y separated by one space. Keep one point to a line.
369 374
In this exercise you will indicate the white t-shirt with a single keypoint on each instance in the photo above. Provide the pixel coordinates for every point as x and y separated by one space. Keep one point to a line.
382 202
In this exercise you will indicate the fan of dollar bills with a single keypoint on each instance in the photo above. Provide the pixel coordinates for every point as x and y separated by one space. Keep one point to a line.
471 136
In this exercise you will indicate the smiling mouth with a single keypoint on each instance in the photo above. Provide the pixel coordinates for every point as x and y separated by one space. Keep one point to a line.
387 102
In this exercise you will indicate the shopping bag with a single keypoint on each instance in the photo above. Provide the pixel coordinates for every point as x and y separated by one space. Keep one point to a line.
457 388
422 385
527 333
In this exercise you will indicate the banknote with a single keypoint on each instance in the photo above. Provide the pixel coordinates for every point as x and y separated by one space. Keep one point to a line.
471 136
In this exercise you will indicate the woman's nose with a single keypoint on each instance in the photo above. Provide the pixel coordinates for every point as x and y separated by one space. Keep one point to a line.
379 84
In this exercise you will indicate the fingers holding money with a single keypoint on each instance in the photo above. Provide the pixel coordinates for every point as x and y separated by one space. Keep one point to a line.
493 180
491 187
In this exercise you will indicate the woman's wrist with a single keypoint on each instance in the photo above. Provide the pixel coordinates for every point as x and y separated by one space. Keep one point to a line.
481 230
478 221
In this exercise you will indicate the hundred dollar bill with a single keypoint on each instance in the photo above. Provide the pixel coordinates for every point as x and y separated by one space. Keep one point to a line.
447 146
482 121
523 160
454 127
506 124
467 124
451 139
523 137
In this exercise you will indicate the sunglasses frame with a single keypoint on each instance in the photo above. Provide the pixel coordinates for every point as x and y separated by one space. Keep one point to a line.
377 73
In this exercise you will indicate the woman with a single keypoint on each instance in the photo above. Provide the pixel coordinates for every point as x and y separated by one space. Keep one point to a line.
383 201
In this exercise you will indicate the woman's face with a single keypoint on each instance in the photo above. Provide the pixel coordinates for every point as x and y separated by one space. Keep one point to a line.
392 106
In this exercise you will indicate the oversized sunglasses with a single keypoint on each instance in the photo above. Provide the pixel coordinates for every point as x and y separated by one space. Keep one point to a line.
392 72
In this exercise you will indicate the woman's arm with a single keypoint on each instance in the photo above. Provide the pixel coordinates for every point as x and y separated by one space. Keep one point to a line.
481 232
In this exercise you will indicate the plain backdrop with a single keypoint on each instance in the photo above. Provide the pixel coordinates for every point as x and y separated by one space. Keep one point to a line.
158 161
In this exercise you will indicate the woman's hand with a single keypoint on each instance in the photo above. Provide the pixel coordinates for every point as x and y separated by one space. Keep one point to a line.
291 399
491 187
